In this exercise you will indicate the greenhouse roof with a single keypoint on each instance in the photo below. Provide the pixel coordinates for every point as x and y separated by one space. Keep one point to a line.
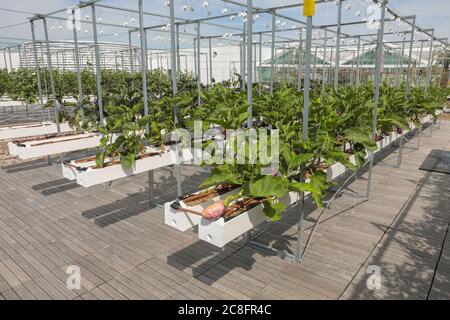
369 57
291 56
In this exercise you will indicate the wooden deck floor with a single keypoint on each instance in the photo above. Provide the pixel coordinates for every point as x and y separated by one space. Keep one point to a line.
125 251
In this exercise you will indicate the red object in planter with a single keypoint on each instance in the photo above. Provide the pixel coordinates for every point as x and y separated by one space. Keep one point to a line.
214 211
399 130
378 137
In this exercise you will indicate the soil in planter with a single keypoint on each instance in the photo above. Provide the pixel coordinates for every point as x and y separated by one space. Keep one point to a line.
241 207
141 157
202 197
322 166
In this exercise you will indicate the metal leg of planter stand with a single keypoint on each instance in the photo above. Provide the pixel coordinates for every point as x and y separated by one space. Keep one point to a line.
440 120
400 154
298 253
327 207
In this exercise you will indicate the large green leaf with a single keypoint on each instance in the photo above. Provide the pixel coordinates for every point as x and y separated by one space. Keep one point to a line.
273 210
361 136
269 186
219 178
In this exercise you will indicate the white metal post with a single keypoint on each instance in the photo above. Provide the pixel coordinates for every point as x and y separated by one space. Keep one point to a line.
338 46
97 65
199 67
77 64
52 81
38 71
249 62
430 62
409 75
272 55
300 62
358 62
377 90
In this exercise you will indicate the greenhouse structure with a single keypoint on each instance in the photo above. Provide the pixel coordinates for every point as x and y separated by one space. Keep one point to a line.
224 150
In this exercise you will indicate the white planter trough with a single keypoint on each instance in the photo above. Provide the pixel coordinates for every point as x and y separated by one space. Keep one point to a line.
183 221
31 130
30 149
87 175
221 232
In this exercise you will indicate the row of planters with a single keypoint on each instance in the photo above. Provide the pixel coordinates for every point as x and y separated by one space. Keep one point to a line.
118 87
339 139
237 197
240 195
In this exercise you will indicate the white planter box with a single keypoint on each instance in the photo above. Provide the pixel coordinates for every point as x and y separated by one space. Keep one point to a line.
56 145
87 176
69 172
183 221
31 130
221 232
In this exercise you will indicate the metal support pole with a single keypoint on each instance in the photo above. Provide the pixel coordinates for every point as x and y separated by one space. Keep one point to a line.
272 55
77 64
260 65
305 124
210 62
38 71
283 55
97 65
44 72
305 127
174 57
131 60
352 68
249 38
63 56
6 62
338 46
10 59
324 79
331 65
195 58
315 64
255 62
419 63
430 62
377 90
249 62
358 62
402 55
20 56
409 75
244 53
177 36
52 81
144 69
300 62
199 67
4 58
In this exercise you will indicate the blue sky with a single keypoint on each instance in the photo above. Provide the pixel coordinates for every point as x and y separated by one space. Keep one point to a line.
430 13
